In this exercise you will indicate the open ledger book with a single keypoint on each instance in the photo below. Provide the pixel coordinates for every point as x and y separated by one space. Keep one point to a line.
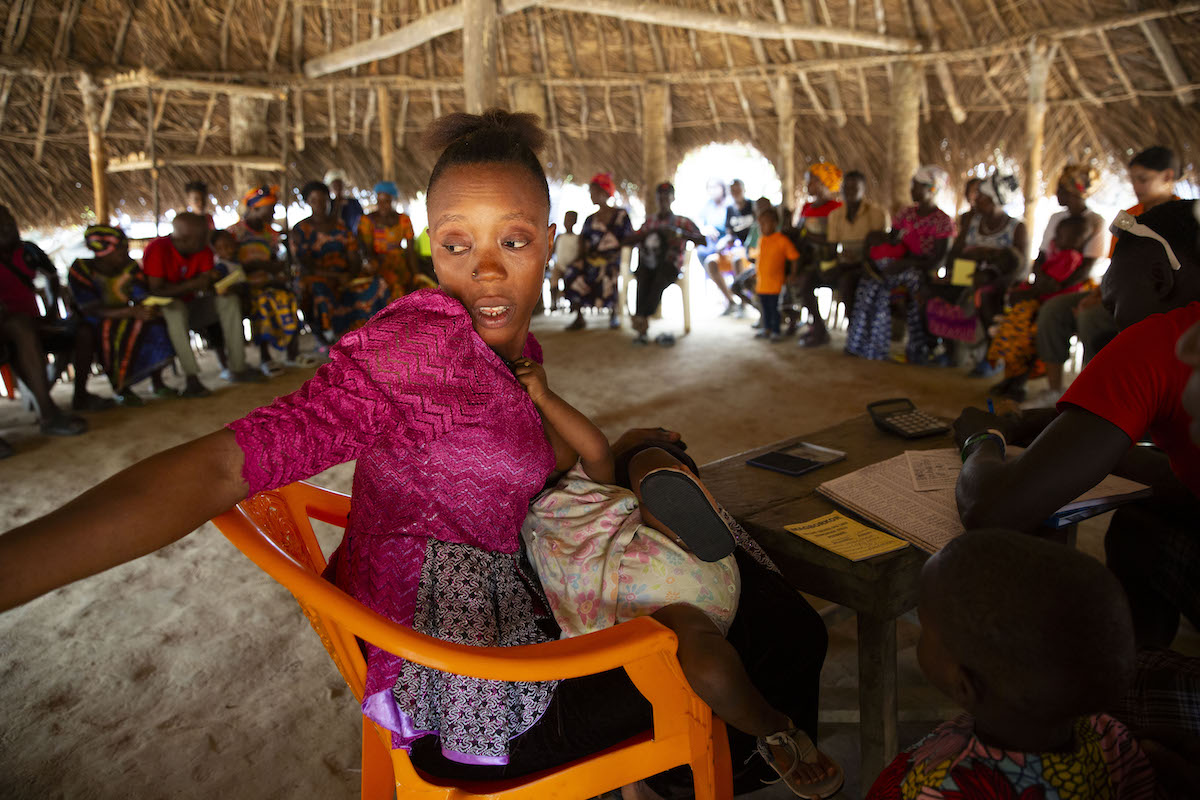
885 494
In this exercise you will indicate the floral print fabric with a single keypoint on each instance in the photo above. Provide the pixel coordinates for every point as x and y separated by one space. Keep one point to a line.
600 566
1106 763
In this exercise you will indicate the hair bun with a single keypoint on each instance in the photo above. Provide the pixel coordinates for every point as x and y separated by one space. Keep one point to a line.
520 128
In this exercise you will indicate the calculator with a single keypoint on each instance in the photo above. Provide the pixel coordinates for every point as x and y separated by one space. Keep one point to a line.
901 417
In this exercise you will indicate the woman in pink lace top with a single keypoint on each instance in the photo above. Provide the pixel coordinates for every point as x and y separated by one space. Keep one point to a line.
450 451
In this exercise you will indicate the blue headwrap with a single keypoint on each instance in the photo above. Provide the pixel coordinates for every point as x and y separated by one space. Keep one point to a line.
386 187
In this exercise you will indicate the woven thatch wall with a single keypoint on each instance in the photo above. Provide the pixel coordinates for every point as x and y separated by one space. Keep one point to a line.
1109 91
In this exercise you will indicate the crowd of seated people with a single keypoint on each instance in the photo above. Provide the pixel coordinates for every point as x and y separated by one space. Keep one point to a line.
133 320
1045 649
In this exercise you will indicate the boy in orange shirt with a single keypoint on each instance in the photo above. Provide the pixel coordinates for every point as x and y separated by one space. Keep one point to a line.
777 257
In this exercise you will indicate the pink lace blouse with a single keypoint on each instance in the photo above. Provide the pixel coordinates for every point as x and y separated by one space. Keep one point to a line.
450 452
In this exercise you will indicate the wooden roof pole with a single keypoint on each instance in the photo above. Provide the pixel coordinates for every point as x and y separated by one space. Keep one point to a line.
905 124
680 17
481 28
656 116
784 109
1169 61
96 153
1035 129
387 135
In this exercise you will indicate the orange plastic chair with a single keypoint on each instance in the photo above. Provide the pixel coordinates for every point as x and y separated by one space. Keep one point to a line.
274 530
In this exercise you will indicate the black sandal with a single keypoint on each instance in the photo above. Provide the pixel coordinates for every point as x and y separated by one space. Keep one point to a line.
64 425
678 500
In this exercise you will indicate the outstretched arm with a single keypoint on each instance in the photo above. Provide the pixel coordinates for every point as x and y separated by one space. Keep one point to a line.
150 505
572 434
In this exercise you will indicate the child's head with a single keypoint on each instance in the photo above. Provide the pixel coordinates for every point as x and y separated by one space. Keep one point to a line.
768 221
1021 627
569 220
223 244
761 205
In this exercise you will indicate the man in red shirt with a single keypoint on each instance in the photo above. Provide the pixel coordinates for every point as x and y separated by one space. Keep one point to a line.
180 266
1131 389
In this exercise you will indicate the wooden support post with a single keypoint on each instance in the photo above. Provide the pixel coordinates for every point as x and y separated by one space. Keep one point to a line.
206 123
1035 128
248 134
480 77
387 136
878 697
784 109
906 153
152 150
656 116
91 118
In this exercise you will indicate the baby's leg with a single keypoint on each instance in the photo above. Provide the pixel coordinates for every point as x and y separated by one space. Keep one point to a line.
715 672
674 501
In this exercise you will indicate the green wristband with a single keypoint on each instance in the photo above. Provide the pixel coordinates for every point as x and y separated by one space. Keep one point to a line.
981 437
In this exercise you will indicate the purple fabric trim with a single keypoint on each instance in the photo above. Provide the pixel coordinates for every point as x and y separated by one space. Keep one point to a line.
381 709
467 758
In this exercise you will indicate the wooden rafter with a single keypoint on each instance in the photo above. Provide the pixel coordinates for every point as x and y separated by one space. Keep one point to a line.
66 26
145 78
122 34
6 83
49 85
223 34
1168 59
141 161
17 28
206 123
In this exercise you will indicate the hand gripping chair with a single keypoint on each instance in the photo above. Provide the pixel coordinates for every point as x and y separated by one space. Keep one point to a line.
274 530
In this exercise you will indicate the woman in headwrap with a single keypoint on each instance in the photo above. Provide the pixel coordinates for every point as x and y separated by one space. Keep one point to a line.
592 280
387 240
811 229
339 297
998 244
107 291
916 247
1074 239
271 297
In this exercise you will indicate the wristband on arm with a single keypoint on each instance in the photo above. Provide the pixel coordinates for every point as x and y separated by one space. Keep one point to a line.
990 433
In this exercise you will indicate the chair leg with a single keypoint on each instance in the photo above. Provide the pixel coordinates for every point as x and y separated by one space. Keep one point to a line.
378 780
712 774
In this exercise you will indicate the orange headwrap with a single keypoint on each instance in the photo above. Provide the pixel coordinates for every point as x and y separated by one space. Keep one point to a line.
261 196
827 173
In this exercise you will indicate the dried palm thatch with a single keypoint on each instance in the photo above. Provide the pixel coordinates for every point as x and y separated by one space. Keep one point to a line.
195 81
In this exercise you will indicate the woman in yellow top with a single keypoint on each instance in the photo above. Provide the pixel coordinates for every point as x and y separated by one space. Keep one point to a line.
386 236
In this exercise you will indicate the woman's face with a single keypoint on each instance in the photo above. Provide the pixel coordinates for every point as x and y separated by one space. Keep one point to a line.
1065 193
599 196
385 200
490 247
318 201
921 193
984 205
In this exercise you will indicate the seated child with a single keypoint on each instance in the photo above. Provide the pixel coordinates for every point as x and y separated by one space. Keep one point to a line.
605 554
266 299
566 251
1055 272
1032 638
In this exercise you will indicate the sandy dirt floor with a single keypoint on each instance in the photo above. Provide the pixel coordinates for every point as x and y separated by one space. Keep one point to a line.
191 674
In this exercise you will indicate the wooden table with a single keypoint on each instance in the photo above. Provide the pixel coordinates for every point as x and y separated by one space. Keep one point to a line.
879 589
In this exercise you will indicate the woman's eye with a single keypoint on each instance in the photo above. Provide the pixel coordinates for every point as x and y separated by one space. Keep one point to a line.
516 243
455 248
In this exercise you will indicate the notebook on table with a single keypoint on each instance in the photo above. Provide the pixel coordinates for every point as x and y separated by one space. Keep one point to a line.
886 494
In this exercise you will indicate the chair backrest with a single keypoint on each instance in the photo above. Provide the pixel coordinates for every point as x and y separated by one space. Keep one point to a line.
274 530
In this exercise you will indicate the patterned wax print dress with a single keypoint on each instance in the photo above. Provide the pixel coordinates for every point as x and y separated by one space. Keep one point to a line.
339 309
591 281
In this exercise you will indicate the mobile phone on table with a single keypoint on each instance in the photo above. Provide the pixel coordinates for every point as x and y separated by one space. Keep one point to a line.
797 459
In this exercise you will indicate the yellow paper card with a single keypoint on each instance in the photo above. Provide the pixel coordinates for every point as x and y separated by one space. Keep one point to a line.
963 269
828 265
155 300
846 537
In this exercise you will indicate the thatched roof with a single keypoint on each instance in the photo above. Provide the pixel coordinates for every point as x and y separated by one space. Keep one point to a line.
1124 75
